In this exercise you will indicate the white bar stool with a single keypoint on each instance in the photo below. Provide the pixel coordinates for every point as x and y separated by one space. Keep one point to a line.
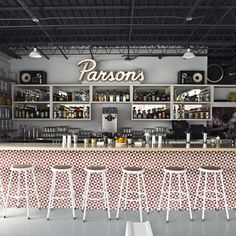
138 173
62 169
90 171
216 172
181 174
20 169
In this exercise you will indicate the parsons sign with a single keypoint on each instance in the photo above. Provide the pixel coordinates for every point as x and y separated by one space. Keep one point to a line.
88 71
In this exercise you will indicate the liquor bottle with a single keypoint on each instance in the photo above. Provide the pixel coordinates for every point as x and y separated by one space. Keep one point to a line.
86 112
124 97
157 96
134 113
16 112
149 96
107 96
69 96
111 97
27 115
144 97
139 114
127 96
140 97
37 113
155 113
144 114
117 97
32 112
96 97
149 114
80 113
114 95
121 96
55 113
174 113
153 96
135 95
42 113
46 113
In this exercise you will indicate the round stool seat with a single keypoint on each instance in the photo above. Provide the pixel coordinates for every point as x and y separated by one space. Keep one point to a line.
62 168
95 169
133 170
175 169
22 167
212 169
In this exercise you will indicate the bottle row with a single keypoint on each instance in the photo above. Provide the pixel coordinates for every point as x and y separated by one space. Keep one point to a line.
154 113
5 113
76 95
71 112
151 95
191 112
32 95
33 112
111 96
7 125
5 87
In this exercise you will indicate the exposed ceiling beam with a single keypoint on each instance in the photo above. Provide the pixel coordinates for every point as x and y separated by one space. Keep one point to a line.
42 53
9 52
111 25
35 18
114 7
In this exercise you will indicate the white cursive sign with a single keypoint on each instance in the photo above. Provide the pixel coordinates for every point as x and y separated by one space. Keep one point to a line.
88 70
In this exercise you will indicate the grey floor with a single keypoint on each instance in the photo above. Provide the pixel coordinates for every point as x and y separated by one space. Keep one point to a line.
62 224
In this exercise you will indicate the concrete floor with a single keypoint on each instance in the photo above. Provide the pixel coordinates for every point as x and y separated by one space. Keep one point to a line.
97 224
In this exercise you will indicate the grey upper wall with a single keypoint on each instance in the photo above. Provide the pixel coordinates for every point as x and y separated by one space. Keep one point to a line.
156 70
61 70
4 66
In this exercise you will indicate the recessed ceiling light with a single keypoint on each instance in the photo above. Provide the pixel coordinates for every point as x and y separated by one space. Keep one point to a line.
189 18
36 20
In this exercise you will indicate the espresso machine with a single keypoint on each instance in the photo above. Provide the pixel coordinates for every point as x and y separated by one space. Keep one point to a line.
109 119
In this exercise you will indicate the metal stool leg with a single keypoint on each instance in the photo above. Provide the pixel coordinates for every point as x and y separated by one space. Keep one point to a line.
180 191
140 199
204 197
86 196
224 196
216 190
126 191
197 192
188 196
18 189
72 194
51 194
85 187
162 191
121 191
27 195
145 193
8 193
36 189
168 201
105 190
2 193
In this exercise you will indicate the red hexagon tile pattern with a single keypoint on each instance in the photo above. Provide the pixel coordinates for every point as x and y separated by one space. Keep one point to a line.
152 161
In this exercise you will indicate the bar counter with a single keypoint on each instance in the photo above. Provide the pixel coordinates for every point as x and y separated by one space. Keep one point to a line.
152 159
